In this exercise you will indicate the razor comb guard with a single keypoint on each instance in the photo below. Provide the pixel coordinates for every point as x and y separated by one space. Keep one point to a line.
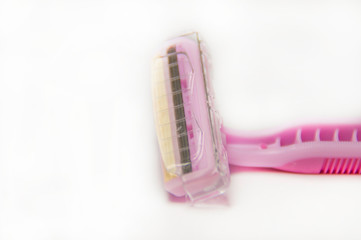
196 150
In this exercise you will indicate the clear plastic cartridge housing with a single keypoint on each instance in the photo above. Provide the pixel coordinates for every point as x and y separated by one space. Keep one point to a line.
193 157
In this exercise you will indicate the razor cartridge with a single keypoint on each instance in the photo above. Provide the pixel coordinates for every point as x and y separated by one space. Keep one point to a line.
193 157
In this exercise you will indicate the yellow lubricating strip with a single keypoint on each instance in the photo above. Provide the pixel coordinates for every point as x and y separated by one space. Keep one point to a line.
161 108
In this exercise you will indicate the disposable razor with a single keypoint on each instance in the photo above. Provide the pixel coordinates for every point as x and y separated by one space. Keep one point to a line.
196 149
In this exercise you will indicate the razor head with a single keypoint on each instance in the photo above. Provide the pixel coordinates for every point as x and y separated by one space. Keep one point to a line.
194 160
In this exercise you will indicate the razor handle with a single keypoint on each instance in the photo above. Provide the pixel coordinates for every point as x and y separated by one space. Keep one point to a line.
322 149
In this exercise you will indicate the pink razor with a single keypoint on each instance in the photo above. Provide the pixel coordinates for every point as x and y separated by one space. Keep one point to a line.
195 148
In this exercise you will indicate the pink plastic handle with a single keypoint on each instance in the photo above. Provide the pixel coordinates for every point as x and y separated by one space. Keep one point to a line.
308 149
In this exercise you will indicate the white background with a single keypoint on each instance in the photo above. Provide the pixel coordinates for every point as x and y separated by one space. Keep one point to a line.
78 151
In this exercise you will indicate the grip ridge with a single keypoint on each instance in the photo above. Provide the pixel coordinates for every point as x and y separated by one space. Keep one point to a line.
341 166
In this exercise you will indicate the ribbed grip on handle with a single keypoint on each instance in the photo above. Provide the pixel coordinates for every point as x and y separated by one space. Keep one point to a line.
341 166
